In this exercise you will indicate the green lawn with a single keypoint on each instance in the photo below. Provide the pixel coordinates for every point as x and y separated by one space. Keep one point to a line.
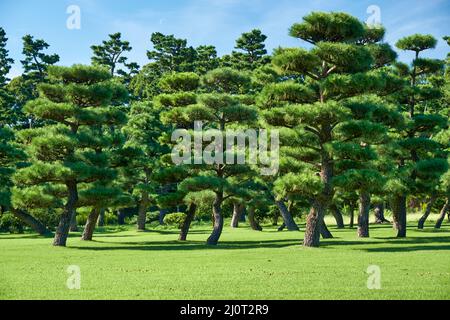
246 265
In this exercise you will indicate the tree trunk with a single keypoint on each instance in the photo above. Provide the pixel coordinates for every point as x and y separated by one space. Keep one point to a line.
379 214
325 232
275 219
444 211
320 204
287 217
363 216
399 214
218 220
91 222
190 214
31 221
352 216
251 219
101 218
427 212
238 210
62 231
142 212
120 217
314 224
337 214
73 223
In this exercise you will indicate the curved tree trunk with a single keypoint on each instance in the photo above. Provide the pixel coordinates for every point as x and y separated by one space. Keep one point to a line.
399 214
251 219
379 214
238 210
101 218
444 211
91 222
73 223
320 204
363 216
314 224
218 220
190 214
142 212
31 221
287 217
337 214
62 231
427 212
325 232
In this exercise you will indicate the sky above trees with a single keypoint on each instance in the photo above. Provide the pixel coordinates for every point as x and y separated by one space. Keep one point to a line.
209 22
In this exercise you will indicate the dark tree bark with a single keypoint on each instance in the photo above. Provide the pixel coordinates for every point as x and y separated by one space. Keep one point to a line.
352 215
218 220
62 231
324 231
190 214
287 217
101 218
251 219
238 210
363 216
444 211
427 212
337 214
73 223
320 204
91 222
399 214
275 219
31 221
379 214
142 212
120 217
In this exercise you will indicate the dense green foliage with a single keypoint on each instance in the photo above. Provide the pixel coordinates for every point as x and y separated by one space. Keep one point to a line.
357 129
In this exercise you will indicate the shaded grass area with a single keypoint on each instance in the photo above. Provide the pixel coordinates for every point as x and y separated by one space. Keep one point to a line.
124 264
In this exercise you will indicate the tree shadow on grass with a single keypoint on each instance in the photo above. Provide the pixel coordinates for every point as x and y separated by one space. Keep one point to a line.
187 246
395 244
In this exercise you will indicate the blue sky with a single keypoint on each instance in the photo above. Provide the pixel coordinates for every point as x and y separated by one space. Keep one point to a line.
216 22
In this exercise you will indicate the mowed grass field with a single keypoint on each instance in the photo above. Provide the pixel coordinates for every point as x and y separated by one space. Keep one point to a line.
124 264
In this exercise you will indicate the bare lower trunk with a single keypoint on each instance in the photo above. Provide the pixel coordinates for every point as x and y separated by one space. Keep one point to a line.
427 212
287 217
363 216
251 219
444 211
190 214
218 220
101 218
73 223
142 212
121 217
62 231
352 216
337 214
238 210
31 221
314 224
379 214
320 204
325 232
91 222
399 214
275 219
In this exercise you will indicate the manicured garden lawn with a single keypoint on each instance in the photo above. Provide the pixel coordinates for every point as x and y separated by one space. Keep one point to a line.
124 264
